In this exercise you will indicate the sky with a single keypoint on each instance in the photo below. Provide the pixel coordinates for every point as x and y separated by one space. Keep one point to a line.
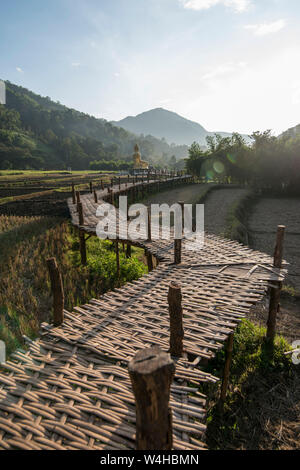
231 65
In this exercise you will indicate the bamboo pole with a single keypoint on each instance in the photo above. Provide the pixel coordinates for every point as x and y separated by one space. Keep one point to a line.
151 372
176 324
57 291
275 291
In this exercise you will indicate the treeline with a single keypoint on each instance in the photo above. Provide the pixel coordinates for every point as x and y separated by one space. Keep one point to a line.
37 133
270 162
110 165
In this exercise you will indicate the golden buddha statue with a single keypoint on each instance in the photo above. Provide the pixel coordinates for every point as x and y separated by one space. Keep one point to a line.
138 163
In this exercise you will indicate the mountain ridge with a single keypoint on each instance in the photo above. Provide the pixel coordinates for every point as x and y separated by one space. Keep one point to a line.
174 128
38 133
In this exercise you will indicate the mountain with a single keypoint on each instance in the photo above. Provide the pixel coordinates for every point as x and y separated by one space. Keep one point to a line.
162 123
38 133
292 132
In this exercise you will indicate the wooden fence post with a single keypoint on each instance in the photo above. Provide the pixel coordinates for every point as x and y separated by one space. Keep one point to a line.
77 198
91 187
177 251
274 306
57 292
149 236
181 203
82 241
73 194
149 261
151 372
128 250
176 326
117 259
225 380
80 213
95 197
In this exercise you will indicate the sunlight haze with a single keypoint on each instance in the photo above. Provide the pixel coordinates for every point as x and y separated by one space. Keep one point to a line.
230 65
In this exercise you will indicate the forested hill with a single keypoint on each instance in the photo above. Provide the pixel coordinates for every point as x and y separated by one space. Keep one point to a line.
38 133
162 123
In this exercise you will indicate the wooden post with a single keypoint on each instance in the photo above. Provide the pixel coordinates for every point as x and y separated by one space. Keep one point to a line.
149 224
57 292
128 250
91 187
181 203
118 259
112 197
102 185
278 252
80 213
225 380
274 306
82 242
73 194
77 198
177 251
151 372
149 261
119 183
176 327
95 197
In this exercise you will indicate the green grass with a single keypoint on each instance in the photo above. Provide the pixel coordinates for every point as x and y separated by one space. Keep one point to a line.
255 403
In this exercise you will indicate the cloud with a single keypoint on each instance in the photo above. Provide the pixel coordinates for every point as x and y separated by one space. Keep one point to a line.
75 64
18 69
237 5
266 28
223 69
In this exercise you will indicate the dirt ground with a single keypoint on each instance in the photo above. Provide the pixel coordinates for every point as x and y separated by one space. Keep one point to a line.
217 206
265 215
189 194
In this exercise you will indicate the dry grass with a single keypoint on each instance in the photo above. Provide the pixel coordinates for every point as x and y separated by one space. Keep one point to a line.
25 300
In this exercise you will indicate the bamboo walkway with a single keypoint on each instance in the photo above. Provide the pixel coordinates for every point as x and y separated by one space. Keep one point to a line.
71 389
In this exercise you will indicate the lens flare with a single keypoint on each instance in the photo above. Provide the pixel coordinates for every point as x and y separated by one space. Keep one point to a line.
231 158
218 167
209 174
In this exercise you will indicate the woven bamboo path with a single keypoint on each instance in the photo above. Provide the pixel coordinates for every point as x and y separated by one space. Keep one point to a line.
71 389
